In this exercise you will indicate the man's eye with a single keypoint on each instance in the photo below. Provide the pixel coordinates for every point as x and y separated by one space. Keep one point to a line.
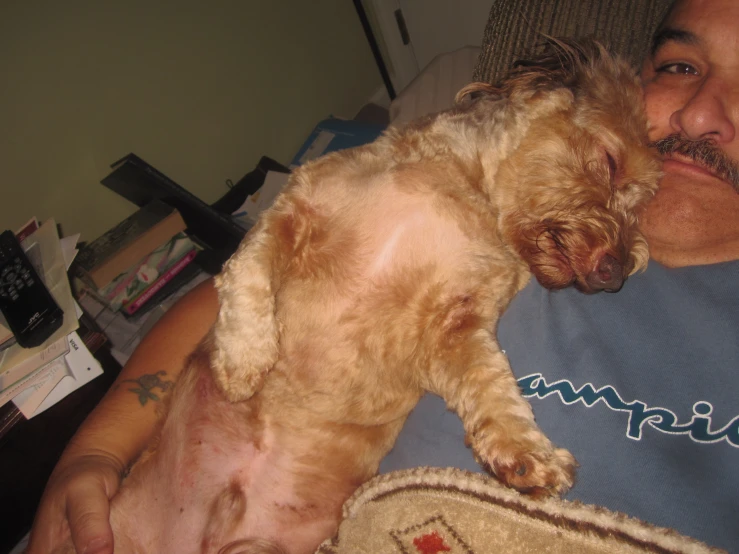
678 68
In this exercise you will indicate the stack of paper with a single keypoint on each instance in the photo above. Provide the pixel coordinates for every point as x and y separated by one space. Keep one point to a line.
36 378
248 213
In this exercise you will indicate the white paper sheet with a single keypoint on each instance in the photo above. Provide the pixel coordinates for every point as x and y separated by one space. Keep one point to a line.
255 203
79 368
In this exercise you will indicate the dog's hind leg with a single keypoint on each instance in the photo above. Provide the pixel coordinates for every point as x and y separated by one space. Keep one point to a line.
225 514
476 382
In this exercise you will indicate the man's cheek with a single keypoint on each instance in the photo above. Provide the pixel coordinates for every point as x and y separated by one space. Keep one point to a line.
659 108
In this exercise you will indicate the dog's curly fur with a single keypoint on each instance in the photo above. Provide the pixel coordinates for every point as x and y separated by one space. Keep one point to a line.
379 274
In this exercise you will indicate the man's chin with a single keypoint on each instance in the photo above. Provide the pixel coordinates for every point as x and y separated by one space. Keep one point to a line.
690 212
684 199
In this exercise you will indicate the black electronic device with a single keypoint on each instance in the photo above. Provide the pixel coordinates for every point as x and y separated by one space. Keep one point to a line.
29 308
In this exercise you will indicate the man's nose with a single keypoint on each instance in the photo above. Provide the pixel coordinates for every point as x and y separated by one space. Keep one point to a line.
705 114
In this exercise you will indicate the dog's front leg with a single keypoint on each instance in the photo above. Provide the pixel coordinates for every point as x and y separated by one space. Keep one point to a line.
476 381
246 334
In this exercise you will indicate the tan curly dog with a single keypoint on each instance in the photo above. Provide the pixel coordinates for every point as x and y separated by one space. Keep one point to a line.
379 274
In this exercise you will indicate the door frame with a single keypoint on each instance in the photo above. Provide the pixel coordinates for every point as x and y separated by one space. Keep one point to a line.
399 58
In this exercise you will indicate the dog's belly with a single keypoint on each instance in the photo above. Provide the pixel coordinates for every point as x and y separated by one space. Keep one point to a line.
222 474
280 465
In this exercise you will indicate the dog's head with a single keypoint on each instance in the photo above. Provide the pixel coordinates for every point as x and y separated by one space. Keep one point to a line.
571 191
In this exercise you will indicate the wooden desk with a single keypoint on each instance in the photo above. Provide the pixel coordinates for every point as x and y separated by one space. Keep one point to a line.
30 450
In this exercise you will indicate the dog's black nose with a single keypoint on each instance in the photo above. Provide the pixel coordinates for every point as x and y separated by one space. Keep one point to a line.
608 275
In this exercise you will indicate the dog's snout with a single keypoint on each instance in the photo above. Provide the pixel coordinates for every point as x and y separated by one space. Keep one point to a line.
608 275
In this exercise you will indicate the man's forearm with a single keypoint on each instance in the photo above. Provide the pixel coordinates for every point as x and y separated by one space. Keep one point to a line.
123 422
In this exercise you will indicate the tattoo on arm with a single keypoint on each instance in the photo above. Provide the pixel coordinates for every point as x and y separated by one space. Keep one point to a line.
146 385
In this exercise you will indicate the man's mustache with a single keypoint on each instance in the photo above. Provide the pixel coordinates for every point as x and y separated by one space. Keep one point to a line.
705 153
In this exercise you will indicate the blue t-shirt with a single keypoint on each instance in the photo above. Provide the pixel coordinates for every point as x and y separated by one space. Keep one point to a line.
641 386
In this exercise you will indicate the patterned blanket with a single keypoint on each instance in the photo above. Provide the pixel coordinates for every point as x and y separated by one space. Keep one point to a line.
434 511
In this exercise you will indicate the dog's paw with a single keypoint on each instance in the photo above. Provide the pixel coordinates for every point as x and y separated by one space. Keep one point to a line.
238 386
535 471
238 382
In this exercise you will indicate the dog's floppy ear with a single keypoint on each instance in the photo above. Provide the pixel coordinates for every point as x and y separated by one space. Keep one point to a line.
559 63
475 90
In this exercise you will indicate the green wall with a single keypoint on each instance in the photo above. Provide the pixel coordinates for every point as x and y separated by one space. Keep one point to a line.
199 90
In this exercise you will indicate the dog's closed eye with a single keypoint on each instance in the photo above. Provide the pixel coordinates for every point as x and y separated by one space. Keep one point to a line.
612 168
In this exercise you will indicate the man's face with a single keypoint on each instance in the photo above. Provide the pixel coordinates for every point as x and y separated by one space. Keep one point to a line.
691 83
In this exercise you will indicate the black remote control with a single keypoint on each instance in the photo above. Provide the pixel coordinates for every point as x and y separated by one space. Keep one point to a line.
29 308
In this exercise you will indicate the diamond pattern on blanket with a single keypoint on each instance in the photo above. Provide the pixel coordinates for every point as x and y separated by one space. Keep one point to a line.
432 536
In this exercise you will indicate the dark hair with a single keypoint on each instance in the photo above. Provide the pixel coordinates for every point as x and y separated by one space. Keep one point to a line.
659 36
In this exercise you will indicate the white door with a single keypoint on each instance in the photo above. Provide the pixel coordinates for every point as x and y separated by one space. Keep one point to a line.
433 27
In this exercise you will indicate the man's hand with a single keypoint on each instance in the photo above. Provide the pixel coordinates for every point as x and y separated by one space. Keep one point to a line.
76 502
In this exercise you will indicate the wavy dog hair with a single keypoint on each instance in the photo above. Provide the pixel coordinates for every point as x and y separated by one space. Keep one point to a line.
560 62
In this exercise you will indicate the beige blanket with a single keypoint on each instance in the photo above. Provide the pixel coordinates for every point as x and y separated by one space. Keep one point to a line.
435 511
